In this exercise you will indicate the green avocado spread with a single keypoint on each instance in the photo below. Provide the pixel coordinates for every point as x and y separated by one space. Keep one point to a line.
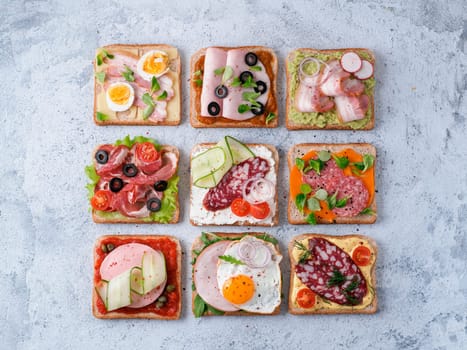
327 118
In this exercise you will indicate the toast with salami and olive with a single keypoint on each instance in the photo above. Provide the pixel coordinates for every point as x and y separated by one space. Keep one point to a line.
233 87
330 89
137 85
137 276
332 184
332 274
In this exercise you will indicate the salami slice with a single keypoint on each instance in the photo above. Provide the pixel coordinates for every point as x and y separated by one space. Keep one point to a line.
331 273
231 185
357 195
328 178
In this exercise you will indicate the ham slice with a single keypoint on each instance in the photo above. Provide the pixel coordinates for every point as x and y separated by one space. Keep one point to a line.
350 108
215 58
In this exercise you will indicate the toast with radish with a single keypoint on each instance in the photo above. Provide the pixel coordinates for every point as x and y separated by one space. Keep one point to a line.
330 89
233 87
137 276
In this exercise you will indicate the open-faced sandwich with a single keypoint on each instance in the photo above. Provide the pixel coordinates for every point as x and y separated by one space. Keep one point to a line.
137 85
137 276
330 89
134 181
236 274
233 87
332 274
233 183
332 184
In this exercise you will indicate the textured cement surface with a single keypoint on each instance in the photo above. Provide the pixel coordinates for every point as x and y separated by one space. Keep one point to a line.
47 135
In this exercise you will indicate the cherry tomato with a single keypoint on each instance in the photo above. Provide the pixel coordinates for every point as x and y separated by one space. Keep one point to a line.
240 207
306 298
147 152
260 211
361 255
101 200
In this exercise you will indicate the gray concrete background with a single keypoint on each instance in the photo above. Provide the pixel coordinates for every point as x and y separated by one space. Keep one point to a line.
47 135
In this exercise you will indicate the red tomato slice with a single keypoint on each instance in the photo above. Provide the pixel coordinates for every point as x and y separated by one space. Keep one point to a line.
147 152
361 255
260 211
306 298
240 207
101 200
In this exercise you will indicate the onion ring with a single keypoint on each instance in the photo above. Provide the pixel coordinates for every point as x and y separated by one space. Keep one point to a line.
308 79
255 255
258 190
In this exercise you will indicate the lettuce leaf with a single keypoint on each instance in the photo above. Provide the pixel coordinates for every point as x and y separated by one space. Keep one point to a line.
129 142
169 203
92 175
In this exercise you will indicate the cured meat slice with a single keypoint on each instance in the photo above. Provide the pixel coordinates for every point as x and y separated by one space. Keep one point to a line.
205 276
308 97
357 195
215 58
350 108
231 185
352 87
117 155
146 167
333 75
331 273
328 179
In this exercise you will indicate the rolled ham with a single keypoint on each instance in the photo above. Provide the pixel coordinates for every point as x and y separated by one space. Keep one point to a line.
215 58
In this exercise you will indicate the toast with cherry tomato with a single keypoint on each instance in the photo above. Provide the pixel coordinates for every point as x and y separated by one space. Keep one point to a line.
134 180
233 183
332 274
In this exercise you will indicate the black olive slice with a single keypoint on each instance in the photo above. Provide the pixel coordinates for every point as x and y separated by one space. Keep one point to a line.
160 186
214 108
245 75
154 204
130 170
102 156
257 110
251 59
261 87
116 184
221 91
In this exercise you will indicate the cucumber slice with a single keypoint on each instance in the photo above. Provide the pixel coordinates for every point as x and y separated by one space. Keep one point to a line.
118 291
206 164
238 151
153 270
136 282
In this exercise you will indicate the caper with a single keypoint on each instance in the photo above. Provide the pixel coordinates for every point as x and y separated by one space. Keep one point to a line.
110 247
159 304
162 299
170 288
104 248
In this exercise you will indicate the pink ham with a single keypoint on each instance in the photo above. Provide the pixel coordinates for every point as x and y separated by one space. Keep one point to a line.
350 108
126 257
332 78
205 276
236 60
215 58
308 97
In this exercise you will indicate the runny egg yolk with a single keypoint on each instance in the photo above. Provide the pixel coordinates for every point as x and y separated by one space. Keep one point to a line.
119 94
238 289
156 63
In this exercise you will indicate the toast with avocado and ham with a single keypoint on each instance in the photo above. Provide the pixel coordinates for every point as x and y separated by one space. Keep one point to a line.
332 184
137 276
236 274
233 183
137 85
332 274
330 89
134 180
233 87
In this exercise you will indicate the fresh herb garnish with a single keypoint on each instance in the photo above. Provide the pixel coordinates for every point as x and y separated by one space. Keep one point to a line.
100 77
352 286
255 68
314 164
313 204
214 311
306 254
147 99
101 117
228 72
324 155
198 73
107 54
249 83
209 238
300 163
305 188
367 163
162 96
250 96
236 82
101 55
199 82
321 194
128 74
300 201
154 85
243 108
331 200
311 219
337 279
271 116
341 162
367 211
199 306
231 259
219 71
342 202
267 238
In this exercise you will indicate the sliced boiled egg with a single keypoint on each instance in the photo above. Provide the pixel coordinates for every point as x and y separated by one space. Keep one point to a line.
120 96
153 64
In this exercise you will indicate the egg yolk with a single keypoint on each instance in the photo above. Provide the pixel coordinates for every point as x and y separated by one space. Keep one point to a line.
119 94
238 289
156 63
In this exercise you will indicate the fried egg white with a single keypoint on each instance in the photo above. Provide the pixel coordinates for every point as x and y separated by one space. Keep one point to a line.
250 288
153 64
120 96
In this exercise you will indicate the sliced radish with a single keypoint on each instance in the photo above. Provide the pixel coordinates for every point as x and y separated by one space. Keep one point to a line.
351 62
365 72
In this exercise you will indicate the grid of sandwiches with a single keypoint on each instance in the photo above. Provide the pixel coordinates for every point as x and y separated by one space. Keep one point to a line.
134 180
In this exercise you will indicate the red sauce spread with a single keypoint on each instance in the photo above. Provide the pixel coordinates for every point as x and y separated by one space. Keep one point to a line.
169 249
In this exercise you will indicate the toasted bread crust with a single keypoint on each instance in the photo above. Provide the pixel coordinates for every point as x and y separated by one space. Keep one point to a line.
246 222
147 315
294 216
370 309
220 122
198 244
127 220
292 125
178 72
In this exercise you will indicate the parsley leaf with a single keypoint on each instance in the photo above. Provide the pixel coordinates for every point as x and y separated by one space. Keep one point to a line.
219 71
367 163
249 83
341 162
147 99
236 82
154 85
199 82
100 77
300 163
243 108
256 68
101 117
341 202
305 188
311 219
331 200
271 116
128 74
367 211
162 96
231 259
316 165
300 201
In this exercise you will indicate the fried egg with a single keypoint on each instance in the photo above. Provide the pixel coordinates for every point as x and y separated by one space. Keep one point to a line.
153 64
120 96
251 286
